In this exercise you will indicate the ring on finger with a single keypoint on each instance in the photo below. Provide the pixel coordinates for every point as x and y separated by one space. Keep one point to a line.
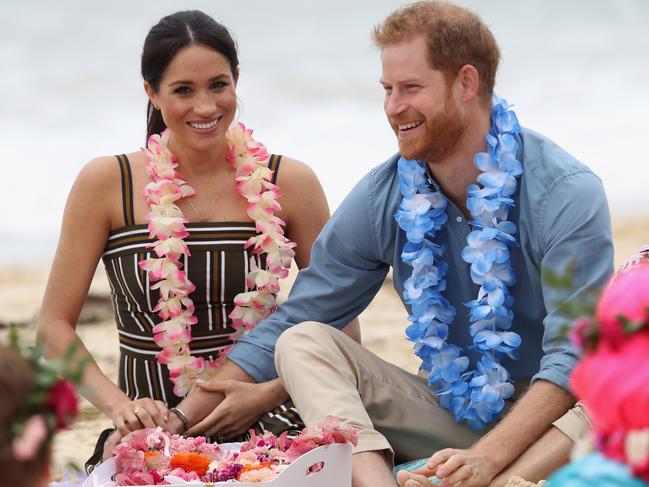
137 410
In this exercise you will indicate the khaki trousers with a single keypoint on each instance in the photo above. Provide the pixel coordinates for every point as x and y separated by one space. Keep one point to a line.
327 373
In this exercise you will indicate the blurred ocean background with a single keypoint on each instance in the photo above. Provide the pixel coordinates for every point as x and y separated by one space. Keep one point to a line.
577 71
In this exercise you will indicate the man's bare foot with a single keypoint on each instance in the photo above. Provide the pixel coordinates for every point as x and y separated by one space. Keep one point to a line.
409 479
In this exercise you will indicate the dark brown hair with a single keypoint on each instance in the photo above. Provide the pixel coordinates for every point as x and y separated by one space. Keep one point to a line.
16 383
168 37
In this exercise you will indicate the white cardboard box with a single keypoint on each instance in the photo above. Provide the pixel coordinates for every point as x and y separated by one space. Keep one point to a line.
336 472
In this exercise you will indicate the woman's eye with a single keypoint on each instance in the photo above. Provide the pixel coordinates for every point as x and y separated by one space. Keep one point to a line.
217 85
182 90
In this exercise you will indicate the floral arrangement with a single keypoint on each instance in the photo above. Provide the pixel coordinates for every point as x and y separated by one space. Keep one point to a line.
151 457
476 396
167 225
611 381
53 403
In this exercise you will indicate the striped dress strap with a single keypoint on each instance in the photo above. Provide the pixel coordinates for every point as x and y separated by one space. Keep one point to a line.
273 165
127 189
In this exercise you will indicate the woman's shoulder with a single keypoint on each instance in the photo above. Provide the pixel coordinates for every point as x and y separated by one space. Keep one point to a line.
108 168
98 171
301 191
293 173
104 175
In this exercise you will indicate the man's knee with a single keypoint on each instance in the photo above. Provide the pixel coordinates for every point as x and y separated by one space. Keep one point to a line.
305 336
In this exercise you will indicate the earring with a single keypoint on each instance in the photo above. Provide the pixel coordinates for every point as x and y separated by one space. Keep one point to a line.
155 106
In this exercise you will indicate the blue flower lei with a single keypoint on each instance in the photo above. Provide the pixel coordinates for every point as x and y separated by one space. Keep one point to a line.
476 396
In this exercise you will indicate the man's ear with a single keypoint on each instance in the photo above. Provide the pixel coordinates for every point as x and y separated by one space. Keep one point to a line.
469 82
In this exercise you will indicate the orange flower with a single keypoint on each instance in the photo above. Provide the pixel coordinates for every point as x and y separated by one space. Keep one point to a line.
259 466
191 462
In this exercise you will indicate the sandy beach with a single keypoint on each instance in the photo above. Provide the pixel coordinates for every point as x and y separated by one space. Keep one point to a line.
383 323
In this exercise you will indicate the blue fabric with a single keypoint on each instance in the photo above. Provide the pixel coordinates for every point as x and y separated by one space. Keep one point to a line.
561 214
594 470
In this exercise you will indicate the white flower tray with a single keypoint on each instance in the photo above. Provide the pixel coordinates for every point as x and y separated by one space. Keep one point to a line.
336 472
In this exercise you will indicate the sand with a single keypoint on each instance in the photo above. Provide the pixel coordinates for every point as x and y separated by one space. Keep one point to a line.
382 323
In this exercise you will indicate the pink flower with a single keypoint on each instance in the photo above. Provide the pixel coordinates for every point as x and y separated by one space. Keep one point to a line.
265 474
251 308
251 180
28 443
174 307
136 477
612 383
156 460
175 333
260 278
127 458
329 430
184 474
171 248
175 284
158 268
625 298
167 226
138 439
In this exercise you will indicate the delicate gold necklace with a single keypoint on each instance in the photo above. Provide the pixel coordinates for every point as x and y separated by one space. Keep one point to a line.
204 217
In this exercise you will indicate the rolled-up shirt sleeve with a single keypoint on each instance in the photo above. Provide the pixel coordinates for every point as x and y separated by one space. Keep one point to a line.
343 276
576 231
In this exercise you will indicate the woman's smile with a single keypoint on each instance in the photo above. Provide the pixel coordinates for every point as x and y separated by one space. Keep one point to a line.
206 126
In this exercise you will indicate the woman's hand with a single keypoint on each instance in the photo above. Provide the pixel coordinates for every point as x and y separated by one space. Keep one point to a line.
130 415
244 403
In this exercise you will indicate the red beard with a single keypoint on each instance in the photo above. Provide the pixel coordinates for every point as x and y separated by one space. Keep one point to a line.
442 134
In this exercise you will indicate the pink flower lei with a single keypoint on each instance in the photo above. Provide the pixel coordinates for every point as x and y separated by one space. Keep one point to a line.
166 223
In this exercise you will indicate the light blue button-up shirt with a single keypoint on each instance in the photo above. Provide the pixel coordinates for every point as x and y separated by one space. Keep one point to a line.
561 215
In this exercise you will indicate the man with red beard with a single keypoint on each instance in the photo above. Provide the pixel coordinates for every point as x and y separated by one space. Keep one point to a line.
470 214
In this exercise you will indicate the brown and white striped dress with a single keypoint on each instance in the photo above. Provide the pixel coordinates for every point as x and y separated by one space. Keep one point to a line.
217 266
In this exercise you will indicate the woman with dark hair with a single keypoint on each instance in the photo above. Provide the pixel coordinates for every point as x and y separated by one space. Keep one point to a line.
193 241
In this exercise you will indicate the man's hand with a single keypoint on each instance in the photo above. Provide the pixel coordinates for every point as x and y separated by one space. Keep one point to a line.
243 404
464 468
199 403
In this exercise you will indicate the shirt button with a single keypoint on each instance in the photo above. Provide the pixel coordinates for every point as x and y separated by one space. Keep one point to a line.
459 219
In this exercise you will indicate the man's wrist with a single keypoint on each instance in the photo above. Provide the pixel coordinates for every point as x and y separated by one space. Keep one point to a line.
498 462
276 393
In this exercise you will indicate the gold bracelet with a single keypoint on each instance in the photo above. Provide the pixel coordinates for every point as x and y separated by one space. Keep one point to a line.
181 416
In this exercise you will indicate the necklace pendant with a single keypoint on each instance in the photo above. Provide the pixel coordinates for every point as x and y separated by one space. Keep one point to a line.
204 220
